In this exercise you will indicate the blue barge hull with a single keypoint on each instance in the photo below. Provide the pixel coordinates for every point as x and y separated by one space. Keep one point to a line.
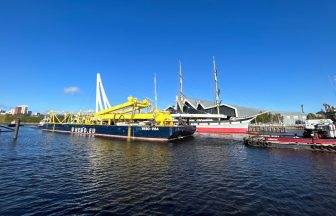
155 133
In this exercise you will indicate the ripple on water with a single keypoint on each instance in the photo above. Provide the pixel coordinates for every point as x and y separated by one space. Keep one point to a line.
47 173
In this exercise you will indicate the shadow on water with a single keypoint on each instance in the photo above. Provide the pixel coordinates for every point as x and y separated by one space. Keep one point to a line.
207 174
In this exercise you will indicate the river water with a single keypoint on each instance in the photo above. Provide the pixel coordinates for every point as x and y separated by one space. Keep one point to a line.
51 173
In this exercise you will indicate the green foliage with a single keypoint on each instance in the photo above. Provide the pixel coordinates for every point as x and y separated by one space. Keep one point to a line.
315 116
321 112
269 118
8 118
311 116
321 115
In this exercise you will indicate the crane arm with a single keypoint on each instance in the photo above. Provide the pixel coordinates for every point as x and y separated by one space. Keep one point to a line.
132 103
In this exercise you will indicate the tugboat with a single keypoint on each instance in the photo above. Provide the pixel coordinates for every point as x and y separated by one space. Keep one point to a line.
319 134
125 120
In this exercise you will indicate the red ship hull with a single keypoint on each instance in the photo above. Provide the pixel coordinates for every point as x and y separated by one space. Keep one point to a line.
220 130
300 140
292 142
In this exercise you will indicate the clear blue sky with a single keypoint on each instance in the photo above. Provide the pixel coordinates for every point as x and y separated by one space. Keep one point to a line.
272 55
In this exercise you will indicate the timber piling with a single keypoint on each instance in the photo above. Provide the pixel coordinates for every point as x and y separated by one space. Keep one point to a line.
8 129
267 128
16 130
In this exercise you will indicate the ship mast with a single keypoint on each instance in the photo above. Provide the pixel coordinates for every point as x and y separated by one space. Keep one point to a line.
216 85
181 78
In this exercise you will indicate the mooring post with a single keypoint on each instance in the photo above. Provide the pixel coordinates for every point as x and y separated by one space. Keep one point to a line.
16 130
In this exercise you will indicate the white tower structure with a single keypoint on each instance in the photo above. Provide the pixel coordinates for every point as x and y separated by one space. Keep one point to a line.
100 92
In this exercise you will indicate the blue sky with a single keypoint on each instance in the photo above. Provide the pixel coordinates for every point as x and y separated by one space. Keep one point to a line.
273 55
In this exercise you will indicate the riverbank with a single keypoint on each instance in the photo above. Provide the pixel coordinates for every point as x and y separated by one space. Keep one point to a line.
25 119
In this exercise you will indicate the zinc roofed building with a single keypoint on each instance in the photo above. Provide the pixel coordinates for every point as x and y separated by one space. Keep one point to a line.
200 106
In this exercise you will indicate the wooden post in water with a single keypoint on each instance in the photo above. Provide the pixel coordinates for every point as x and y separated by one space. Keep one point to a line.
16 130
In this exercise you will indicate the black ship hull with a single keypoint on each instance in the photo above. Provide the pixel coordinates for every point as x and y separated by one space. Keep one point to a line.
155 133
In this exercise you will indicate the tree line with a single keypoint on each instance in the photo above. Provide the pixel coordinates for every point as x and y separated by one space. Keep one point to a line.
269 118
8 118
319 115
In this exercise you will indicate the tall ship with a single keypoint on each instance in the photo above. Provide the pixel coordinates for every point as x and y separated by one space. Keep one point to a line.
211 117
127 120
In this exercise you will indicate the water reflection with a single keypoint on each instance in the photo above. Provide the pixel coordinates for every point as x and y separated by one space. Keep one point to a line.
54 173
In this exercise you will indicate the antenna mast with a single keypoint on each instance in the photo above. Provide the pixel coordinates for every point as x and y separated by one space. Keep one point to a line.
181 78
155 95
179 98
216 85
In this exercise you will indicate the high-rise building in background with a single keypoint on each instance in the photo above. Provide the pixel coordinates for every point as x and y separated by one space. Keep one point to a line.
17 110
23 109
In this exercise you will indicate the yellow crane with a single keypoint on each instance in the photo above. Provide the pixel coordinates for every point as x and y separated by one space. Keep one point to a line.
131 112
128 112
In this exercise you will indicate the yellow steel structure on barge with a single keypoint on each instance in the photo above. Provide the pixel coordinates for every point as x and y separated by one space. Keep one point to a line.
126 120
129 112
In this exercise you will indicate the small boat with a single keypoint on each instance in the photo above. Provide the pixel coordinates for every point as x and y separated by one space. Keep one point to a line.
43 122
12 124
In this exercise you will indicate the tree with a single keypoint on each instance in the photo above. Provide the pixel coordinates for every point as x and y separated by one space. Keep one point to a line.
311 116
23 117
269 118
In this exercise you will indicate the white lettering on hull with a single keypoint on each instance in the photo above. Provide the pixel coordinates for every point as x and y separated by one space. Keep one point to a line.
83 130
149 128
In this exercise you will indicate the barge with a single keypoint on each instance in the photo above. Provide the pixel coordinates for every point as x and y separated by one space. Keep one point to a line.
319 135
291 142
126 120
134 132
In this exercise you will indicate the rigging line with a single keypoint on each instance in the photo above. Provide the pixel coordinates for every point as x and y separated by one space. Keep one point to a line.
87 100
332 81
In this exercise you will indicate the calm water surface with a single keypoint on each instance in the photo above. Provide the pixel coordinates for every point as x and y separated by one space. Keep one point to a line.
206 175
